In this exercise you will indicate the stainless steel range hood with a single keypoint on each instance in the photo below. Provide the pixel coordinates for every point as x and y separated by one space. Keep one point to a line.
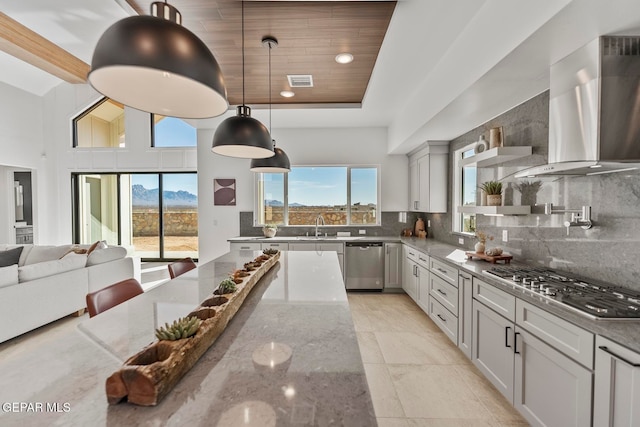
594 110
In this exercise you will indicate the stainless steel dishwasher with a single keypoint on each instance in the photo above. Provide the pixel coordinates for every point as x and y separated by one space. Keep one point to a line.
364 265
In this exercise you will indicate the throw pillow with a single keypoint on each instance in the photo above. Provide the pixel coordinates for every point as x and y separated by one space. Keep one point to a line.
9 275
10 257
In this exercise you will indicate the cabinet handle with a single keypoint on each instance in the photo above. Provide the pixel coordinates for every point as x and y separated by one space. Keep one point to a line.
628 362
244 247
441 318
417 271
443 293
506 336
465 277
442 271
515 343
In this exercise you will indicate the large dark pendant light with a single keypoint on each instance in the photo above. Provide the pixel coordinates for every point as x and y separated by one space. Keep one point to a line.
154 64
280 161
242 135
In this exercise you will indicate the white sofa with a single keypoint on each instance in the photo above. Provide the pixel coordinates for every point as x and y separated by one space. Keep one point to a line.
49 283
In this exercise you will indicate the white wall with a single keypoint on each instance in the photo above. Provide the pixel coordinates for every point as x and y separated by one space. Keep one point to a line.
338 146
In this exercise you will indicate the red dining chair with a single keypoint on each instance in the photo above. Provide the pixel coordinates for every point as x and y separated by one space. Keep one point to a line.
180 267
109 297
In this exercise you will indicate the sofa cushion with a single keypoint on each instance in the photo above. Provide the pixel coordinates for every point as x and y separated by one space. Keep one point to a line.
9 275
46 253
100 256
10 256
49 268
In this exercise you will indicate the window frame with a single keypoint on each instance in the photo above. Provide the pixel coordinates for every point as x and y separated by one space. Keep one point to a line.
257 202
457 222
85 112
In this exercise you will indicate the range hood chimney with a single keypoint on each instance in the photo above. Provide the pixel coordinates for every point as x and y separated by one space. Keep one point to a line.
594 110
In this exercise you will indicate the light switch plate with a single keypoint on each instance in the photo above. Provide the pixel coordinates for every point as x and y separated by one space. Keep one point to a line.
505 235
362 231
460 241
428 223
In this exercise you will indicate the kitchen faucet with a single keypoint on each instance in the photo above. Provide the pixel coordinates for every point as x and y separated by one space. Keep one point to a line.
319 219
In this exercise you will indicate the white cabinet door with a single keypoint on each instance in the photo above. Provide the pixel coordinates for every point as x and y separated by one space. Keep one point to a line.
438 177
423 288
550 389
410 278
393 265
617 385
465 313
492 349
424 183
414 185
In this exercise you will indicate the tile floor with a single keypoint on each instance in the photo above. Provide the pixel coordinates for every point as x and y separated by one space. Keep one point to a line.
416 376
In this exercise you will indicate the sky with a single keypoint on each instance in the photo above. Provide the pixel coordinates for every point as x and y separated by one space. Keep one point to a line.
324 186
172 181
173 132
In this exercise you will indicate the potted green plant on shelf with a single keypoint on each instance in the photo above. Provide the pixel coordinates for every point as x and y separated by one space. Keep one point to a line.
493 190
269 230
528 191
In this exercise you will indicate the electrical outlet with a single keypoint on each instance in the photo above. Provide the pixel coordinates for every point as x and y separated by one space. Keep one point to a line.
460 241
362 231
428 223
505 235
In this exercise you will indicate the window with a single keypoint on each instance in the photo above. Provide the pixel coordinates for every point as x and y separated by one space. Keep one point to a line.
342 195
101 125
125 209
465 186
172 132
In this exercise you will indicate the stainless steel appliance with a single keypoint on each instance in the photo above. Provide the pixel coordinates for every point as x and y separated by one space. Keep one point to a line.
364 265
593 124
591 299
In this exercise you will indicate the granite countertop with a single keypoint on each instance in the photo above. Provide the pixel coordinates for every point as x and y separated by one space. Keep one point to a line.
624 332
289 356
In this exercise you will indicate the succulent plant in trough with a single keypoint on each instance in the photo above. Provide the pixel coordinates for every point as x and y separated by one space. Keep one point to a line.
179 329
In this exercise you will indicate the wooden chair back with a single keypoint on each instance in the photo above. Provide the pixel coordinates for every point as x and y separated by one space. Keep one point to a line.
109 297
180 267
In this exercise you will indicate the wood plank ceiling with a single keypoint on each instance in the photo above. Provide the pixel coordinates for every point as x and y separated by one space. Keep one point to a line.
310 35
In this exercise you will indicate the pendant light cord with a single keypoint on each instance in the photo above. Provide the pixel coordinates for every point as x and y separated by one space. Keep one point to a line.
270 90
243 52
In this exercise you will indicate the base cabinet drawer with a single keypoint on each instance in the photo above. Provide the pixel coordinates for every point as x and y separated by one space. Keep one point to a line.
444 292
499 301
448 273
444 319
237 246
281 246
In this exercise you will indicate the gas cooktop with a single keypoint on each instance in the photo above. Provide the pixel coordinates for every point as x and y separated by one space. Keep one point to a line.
596 301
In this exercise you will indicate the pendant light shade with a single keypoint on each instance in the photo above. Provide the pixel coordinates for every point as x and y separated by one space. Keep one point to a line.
154 64
242 136
280 161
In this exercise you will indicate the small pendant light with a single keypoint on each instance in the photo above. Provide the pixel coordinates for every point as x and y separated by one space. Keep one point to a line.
154 64
280 161
242 136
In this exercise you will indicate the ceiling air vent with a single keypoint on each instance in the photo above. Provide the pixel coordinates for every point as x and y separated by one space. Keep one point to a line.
300 80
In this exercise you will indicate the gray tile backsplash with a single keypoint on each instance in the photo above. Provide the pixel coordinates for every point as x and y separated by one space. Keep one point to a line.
390 226
610 251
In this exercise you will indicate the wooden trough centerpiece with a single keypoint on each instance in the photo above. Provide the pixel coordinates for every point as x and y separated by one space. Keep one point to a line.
146 377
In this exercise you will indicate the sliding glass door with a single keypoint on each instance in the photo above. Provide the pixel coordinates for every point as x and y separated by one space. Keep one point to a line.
125 209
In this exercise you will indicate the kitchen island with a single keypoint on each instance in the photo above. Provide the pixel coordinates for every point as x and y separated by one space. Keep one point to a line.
289 356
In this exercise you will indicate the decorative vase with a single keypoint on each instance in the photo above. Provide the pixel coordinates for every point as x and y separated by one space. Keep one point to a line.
483 198
479 247
269 232
495 137
494 199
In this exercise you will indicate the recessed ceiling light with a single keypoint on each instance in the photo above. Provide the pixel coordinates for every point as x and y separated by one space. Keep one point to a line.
344 58
287 93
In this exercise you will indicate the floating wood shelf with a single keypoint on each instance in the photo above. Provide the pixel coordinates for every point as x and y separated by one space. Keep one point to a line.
146 377
495 210
495 156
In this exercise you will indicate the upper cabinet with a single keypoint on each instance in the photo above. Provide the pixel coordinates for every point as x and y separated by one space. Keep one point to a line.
428 178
